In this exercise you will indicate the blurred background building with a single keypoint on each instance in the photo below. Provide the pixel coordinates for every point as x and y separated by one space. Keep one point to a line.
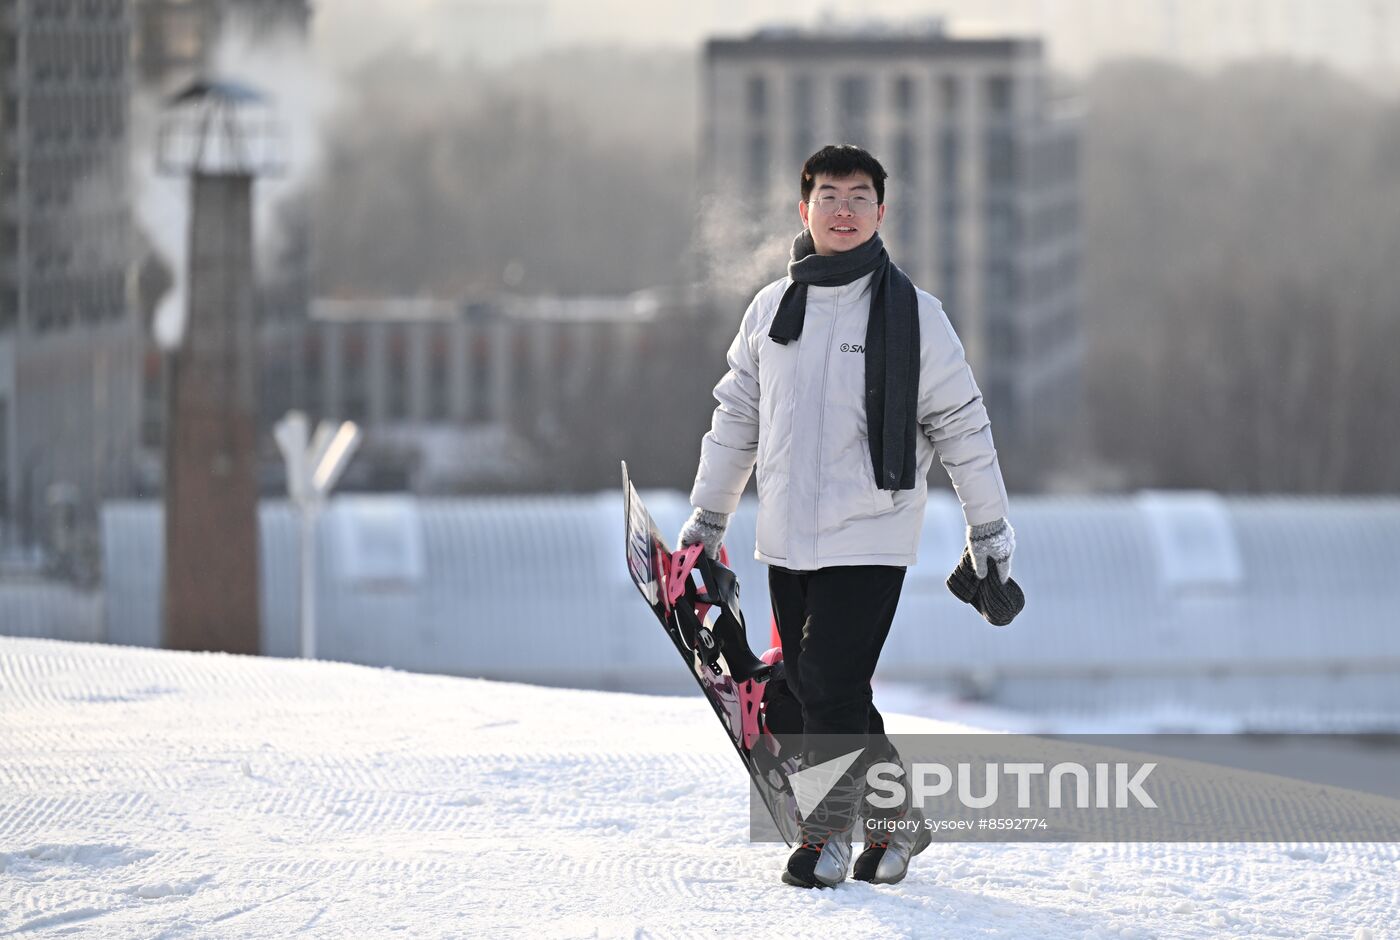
983 192
79 373
471 396
69 340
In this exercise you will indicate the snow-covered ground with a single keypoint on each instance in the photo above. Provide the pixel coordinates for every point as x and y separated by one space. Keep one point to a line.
146 793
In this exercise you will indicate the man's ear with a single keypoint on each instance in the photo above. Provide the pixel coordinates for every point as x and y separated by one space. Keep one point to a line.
802 212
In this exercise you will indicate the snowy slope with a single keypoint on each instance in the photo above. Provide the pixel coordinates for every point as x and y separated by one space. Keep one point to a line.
147 793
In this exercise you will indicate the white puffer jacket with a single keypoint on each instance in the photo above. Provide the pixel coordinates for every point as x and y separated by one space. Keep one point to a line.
798 412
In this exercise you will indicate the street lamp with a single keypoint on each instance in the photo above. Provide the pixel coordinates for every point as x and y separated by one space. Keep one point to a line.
313 469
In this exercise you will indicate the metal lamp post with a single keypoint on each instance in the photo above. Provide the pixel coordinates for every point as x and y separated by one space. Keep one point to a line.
313 469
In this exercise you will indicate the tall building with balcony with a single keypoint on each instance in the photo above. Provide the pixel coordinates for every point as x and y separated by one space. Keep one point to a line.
69 343
982 195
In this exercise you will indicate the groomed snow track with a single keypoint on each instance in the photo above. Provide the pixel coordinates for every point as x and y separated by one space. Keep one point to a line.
146 793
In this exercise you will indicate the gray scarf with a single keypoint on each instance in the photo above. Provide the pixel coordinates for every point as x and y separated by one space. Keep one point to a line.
891 345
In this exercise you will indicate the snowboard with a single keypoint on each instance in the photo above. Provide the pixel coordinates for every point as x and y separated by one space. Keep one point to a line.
696 600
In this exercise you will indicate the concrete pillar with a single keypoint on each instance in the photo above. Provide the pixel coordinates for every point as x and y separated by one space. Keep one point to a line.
332 369
503 366
461 339
377 373
418 369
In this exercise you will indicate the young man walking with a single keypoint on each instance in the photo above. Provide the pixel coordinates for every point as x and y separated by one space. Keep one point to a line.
844 381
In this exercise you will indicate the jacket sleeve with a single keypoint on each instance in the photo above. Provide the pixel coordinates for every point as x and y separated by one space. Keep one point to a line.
953 418
729 449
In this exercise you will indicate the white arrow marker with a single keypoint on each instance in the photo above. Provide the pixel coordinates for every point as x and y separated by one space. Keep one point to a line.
811 784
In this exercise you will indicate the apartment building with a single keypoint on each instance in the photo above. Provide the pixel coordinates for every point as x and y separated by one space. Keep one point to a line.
69 344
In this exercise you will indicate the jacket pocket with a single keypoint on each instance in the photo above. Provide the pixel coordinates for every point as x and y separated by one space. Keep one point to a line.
770 529
881 501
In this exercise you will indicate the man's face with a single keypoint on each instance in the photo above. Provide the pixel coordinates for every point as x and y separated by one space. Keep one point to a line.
841 228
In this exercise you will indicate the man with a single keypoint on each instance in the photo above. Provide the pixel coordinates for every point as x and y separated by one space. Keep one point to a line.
843 382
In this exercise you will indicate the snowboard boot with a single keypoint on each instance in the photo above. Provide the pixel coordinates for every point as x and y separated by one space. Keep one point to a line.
819 864
823 859
885 860
893 835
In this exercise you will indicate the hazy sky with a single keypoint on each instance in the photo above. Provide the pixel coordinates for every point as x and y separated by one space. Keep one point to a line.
1360 36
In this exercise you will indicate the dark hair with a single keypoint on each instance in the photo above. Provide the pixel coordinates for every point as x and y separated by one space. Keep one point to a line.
840 161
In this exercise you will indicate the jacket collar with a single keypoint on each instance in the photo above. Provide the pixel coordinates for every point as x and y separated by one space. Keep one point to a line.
860 285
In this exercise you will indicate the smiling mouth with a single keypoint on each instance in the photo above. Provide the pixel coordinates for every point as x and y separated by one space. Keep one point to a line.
843 229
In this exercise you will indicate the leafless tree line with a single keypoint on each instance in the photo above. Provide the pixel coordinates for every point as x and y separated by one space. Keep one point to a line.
572 174
1242 278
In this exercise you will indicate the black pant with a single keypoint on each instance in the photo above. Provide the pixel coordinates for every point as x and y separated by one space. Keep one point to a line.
833 623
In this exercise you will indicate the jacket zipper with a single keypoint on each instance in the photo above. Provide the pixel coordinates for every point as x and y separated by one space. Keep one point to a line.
821 422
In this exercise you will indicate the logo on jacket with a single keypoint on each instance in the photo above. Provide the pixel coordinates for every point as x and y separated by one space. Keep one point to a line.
852 347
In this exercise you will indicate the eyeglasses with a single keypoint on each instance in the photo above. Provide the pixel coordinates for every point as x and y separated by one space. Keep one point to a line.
859 205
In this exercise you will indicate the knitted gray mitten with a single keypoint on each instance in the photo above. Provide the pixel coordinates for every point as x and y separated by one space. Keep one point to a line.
706 528
992 540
